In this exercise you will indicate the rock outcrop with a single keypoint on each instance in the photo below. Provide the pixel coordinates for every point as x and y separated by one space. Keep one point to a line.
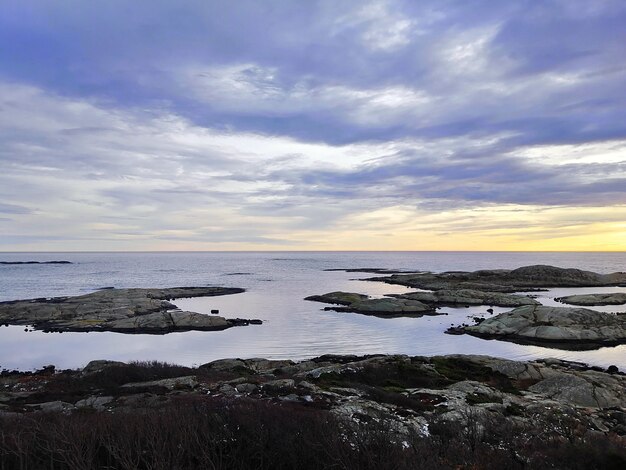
359 303
526 278
559 327
119 310
468 297
411 392
589 300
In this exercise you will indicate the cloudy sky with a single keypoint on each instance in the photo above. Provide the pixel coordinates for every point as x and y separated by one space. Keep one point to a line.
312 125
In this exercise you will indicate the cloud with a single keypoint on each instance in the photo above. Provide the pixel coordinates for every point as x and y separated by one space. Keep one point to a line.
274 123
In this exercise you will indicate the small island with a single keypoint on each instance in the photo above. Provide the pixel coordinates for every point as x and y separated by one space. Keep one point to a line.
556 327
527 278
35 262
145 311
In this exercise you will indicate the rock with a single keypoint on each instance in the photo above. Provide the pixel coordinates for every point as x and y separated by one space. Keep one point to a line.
558 327
35 262
119 310
261 365
246 388
279 385
359 303
615 298
575 390
503 280
97 403
340 298
469 297
230 365
55 407
99 365
177 383
407 393
227 390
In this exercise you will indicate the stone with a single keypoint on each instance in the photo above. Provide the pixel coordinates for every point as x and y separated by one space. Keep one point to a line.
177 383
359 303
246 388
55 407
615 298
120 310
558 327
95 402
526 278
231 365
99 365
469 297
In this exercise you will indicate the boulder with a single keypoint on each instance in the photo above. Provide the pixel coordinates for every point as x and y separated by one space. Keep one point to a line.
99 365
559 327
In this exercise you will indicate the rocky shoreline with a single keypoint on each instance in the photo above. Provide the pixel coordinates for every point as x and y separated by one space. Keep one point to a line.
135 311
410 392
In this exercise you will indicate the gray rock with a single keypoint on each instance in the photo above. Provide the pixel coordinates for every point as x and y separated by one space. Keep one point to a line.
359 303
555 326
176 383
279 385
97 403
232 365
504 280
266 365
614 298
55 407
99 365
246 388
469 297
338 297
120 310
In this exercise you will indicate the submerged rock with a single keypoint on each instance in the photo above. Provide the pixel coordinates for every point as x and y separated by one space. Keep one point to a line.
559 327
120 310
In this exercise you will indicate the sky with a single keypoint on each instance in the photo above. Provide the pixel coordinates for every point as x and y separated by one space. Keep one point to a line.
312 125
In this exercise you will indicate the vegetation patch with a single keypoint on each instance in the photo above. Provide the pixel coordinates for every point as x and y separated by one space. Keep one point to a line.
459 369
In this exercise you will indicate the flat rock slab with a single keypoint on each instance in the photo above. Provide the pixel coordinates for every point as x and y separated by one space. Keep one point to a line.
588 300
558 327
359 303
119 310
468 297
504 280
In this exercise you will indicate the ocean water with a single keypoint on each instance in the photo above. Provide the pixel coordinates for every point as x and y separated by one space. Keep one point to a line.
276 284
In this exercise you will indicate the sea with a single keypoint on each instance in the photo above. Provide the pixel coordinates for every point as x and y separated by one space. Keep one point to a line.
276 284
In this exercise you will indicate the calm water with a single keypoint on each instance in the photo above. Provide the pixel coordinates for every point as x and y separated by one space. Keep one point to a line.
276 283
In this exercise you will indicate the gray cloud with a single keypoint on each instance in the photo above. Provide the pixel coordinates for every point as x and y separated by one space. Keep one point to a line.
154 119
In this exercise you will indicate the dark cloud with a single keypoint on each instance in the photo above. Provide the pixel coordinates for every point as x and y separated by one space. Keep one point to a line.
13 209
